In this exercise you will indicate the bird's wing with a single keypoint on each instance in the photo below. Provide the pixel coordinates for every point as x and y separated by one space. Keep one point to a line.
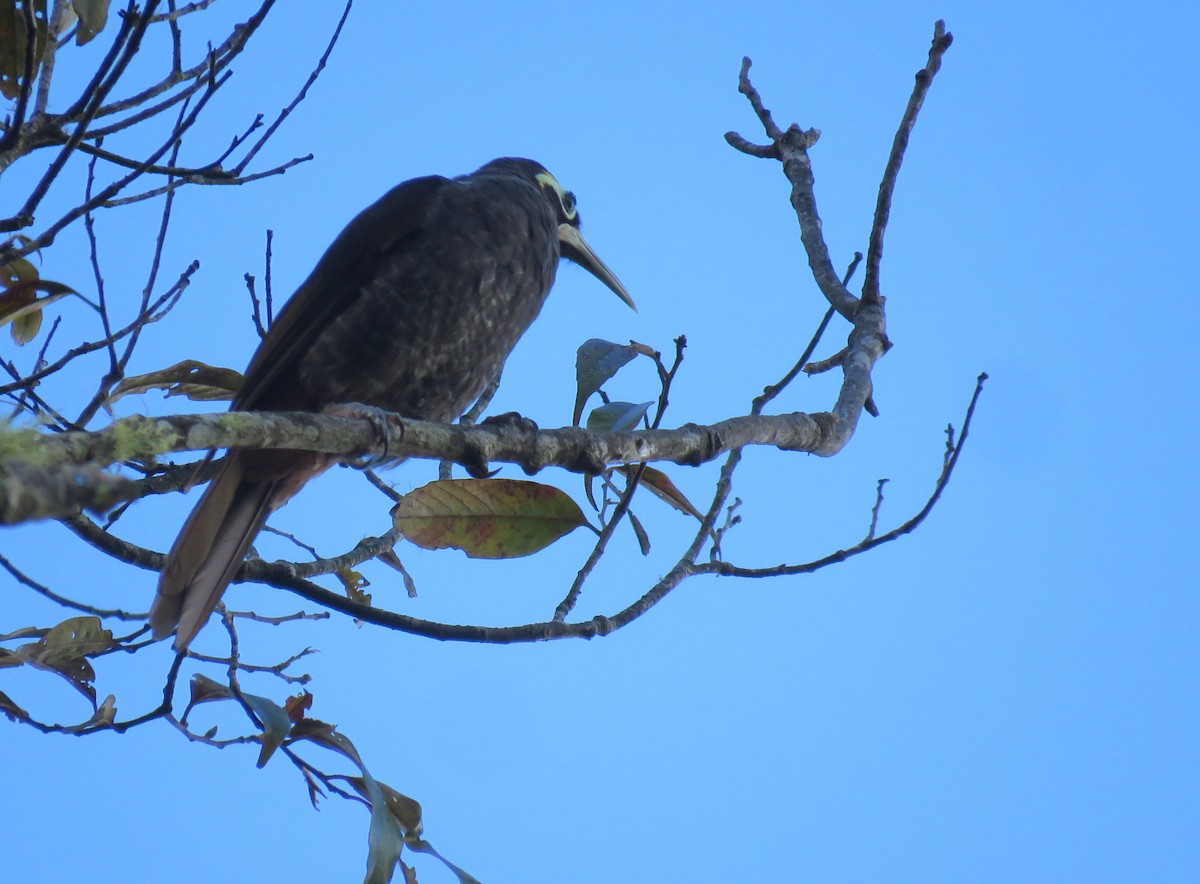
338 279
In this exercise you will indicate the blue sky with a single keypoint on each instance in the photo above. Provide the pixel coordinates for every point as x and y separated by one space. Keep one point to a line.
1009 694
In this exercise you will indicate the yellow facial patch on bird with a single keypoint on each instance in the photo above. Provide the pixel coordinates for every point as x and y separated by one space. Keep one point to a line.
566 199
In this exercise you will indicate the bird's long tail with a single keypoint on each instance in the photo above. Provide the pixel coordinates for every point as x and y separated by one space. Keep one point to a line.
209 550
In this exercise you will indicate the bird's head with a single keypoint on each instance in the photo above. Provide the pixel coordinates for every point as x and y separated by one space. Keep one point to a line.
571 243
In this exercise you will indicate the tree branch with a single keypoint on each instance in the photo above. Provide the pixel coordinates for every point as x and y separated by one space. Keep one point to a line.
883 205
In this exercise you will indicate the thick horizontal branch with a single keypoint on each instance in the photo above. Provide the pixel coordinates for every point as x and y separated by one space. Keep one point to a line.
28 493
144 439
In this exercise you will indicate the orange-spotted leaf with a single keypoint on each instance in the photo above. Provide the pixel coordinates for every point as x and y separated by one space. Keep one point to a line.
487 518
297 705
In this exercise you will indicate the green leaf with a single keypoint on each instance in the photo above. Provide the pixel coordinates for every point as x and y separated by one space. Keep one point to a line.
615 417
63 649
385 838
407 811
595 362
93 15
104 716
643 538
75 637
487 518
275 721
13 40
420 846
324 734
17 270
204 690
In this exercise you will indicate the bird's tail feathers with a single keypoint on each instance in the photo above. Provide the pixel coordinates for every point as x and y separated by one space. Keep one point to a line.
209 550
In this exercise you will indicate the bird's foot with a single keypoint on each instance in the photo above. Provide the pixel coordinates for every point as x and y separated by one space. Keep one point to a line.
510 419
381 421
475 463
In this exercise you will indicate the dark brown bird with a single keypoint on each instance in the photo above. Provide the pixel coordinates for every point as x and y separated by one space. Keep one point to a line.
413 309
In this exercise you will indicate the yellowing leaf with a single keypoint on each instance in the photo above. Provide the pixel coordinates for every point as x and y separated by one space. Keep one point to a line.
355 584
26 327
195 380
20 304
664 489
487 518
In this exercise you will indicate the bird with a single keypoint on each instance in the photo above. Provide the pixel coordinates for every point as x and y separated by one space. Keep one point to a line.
413 309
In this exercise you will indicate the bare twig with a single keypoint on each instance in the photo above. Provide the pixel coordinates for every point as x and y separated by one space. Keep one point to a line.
46 592
300 96
876 508
883 204
791 148
774 390
870 543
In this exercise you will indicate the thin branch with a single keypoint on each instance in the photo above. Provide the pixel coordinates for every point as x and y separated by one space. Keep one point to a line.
774 390
883 204
300 96
48 236
216 60
49 58
726 569
791 148
46 592
876 508
124 46
181 182
176 14
164 303
572 597
89 226
365 550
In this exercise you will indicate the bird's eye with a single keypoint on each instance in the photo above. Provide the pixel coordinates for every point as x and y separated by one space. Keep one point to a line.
566 199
